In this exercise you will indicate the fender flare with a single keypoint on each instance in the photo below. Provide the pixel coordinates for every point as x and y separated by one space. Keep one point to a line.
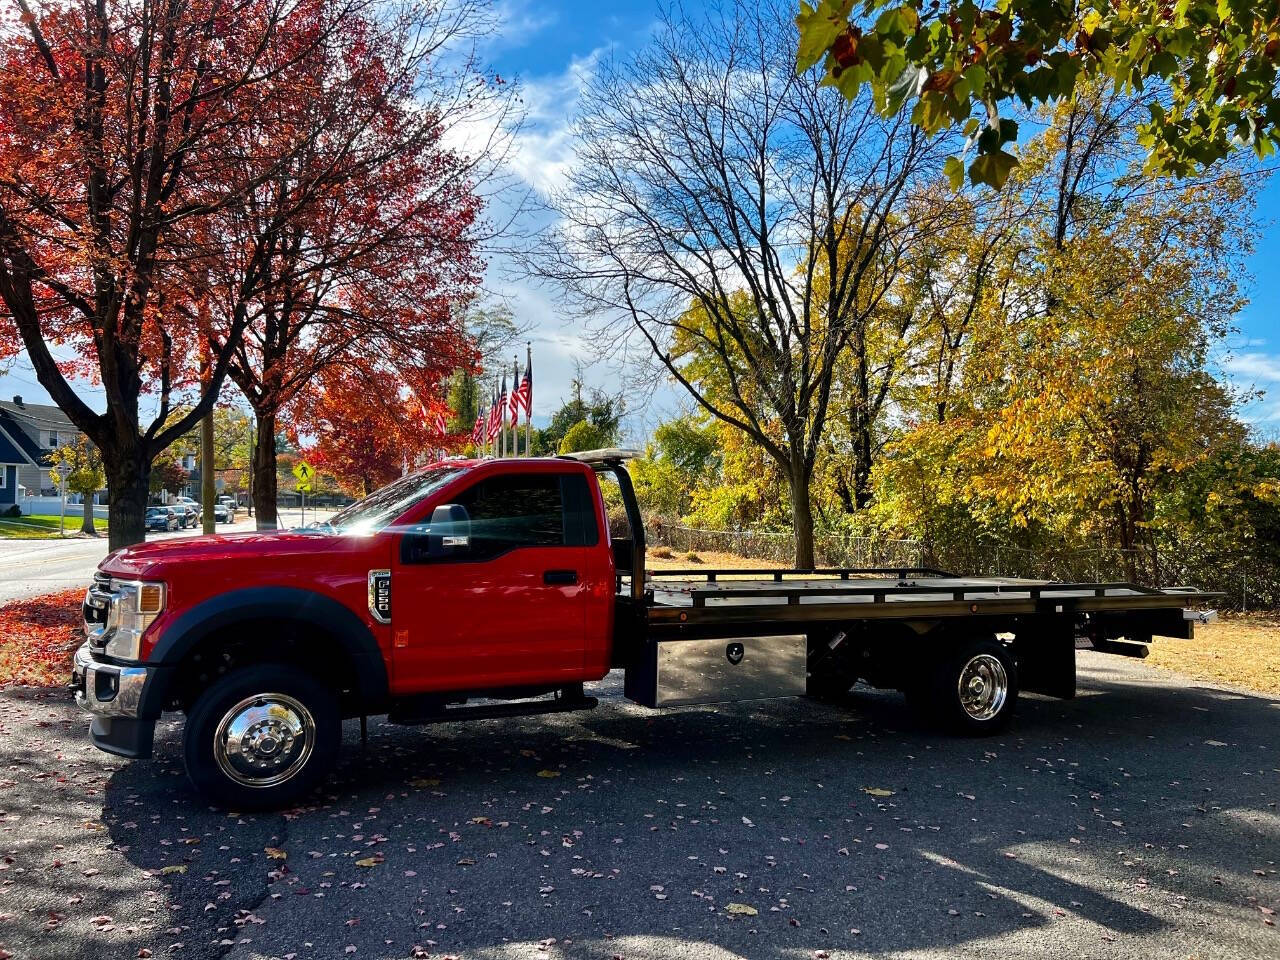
324 614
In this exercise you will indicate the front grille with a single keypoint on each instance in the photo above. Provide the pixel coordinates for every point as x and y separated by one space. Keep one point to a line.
94 609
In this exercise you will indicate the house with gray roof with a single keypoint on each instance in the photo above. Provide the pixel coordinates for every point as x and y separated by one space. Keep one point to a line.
13 457
28 432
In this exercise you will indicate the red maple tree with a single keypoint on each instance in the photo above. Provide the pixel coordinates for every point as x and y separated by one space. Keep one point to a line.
165 172
380 255
364 426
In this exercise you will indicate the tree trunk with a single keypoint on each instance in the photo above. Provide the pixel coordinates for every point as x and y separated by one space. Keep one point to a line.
208 491
862 469
128 483
264 472
801 512
86 525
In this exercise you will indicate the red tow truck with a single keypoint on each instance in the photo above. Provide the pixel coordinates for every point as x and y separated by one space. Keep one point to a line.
492 588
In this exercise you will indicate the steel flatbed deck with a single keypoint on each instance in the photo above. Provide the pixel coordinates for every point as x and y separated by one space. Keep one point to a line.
708 597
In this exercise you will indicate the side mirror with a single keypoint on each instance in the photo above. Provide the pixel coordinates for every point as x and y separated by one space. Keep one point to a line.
449 533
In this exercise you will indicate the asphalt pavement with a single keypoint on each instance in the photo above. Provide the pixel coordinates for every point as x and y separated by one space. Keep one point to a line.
1138 820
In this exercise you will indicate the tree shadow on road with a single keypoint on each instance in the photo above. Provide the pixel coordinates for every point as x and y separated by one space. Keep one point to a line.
1140 817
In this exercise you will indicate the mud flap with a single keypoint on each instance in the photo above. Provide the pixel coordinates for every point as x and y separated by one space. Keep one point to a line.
1047 659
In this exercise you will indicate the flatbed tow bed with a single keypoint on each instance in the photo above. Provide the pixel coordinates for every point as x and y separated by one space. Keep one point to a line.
960 647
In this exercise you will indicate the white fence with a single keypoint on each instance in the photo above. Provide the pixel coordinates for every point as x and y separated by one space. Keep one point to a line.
49 506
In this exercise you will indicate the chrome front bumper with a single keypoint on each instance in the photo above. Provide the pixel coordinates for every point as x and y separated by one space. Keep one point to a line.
105 689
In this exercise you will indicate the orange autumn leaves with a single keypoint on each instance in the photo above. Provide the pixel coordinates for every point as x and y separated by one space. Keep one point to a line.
38 635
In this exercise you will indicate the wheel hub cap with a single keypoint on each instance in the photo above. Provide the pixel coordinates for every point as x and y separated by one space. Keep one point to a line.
264 740
983 686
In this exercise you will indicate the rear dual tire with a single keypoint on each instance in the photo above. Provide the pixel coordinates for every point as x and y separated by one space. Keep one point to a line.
262 737
972 690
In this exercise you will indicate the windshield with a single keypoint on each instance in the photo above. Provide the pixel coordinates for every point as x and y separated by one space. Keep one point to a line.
378 509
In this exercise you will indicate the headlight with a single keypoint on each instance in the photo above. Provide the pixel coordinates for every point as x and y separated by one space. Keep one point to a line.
134 607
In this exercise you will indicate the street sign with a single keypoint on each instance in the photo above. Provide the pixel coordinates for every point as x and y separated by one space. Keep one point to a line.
60 471
304 473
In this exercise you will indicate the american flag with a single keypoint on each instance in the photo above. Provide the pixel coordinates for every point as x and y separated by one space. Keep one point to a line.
522 396
495 415
513 398
477 432
441 424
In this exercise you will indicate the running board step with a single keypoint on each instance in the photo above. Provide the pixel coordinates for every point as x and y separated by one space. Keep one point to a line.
495 711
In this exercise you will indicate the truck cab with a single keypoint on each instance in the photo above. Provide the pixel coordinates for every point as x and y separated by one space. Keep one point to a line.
471 577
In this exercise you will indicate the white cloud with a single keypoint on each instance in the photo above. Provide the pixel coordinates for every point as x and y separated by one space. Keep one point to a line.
518 25
1261 368
1256 371
542 149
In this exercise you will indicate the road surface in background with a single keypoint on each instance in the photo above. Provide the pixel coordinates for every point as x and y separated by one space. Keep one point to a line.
32 567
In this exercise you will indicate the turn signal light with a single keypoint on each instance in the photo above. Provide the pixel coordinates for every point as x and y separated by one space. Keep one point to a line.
151 598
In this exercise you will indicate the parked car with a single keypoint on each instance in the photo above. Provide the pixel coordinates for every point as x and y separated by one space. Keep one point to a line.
162 518
223 513
188 514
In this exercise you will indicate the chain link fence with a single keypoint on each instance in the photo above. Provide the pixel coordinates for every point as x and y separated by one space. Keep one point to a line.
1246 582
830 550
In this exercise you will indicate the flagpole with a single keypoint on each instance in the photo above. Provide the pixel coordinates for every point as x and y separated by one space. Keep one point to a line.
528 400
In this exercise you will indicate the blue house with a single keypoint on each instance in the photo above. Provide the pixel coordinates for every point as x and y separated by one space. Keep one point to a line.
12 456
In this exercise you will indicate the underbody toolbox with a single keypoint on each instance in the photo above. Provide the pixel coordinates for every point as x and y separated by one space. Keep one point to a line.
682 671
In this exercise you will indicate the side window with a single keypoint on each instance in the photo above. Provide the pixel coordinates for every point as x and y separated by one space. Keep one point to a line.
580 527
511 512
501 514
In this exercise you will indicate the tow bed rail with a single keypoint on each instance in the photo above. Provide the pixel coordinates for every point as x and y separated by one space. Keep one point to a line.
713 598
778 575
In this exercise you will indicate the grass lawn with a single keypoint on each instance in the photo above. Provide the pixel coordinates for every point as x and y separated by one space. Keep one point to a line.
1239 649
660 558
39 526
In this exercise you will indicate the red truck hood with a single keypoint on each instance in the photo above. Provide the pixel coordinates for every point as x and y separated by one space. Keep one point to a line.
151 559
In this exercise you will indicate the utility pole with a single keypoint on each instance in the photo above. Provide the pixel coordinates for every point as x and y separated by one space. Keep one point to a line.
208 519
249 421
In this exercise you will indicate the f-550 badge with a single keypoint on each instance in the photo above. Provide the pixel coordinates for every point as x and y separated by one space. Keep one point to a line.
380 595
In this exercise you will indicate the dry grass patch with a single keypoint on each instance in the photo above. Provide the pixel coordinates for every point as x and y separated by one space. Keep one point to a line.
1238 649
707 558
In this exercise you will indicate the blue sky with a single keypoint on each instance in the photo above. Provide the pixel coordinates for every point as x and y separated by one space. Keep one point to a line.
551 46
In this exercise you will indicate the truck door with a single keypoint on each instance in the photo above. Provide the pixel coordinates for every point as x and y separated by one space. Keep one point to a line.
492 591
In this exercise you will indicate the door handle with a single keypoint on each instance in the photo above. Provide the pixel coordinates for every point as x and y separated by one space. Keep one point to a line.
560 578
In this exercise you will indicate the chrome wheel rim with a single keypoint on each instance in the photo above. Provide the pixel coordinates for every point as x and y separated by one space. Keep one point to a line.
264 740
983 686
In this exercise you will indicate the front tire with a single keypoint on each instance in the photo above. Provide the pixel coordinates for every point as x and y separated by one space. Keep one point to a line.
262 737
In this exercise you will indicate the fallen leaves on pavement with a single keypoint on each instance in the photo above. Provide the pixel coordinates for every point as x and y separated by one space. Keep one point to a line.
38 637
